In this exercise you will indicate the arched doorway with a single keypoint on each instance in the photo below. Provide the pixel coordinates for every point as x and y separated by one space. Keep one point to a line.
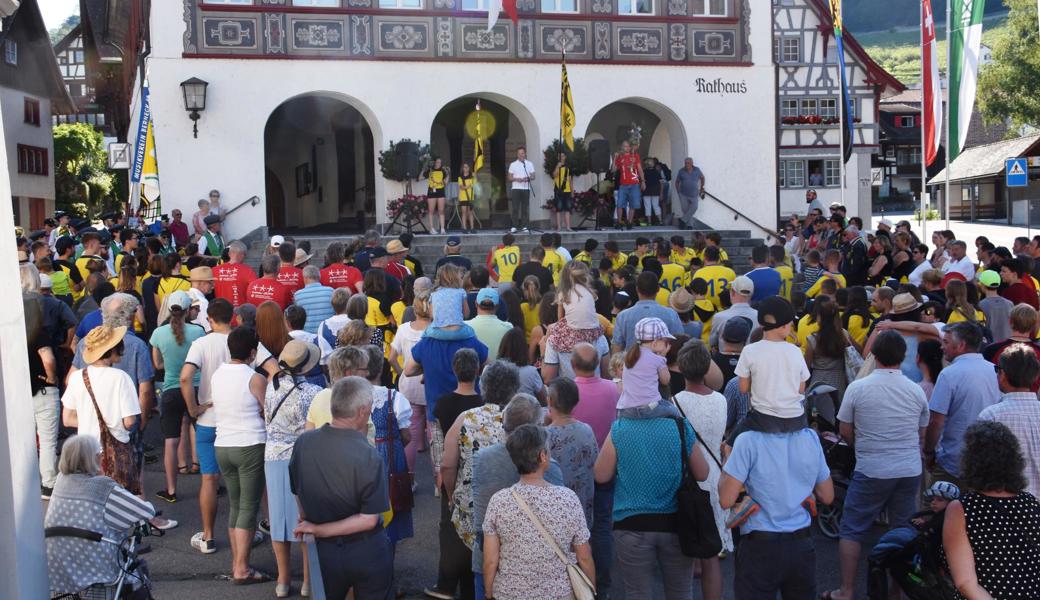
662 133
320 162
506 126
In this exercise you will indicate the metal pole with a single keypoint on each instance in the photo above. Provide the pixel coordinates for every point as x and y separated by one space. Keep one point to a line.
841 116
949 113
924 166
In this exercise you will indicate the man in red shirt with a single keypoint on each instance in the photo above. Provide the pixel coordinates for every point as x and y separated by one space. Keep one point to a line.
289 274
628 195
396 252
268 287
1013 273
233 278
179 229
336 273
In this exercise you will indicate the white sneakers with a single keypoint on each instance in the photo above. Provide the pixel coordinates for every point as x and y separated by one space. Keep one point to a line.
203 546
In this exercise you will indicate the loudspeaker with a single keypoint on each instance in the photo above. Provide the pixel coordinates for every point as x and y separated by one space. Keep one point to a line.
406 160
599 156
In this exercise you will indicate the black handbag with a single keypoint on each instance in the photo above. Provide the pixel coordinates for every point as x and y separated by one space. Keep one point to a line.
695 518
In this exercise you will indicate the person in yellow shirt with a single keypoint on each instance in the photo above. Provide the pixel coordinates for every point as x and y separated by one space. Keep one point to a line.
552 261
714 240
467 194
617 258
680 254
585 255
857 318
957 305
563 198
703 308
673 276
831 262
643 250
91 251
437 179
507 259
809 324
777 256
718 277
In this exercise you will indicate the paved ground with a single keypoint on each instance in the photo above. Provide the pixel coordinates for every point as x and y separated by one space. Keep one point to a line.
180 572
1001 235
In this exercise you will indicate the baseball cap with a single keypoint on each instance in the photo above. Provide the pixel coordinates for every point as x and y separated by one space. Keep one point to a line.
377 252
180 298
45 281
885 222
743 285
774 312
651 329
943 489
950 277
277 240
489 295
453 241
737 330
990 279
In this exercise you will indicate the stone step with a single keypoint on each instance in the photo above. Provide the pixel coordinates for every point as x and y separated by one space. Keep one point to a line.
429 247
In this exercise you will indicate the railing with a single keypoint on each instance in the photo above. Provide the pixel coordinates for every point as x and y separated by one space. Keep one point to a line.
737 214
251 201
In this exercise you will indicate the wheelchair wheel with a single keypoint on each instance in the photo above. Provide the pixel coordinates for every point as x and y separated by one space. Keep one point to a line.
828 519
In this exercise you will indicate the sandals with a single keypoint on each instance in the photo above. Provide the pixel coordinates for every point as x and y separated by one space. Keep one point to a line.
183 470
255 576
194 470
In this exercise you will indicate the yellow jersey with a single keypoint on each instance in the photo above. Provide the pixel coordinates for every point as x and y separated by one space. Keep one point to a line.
956 317
805 329
437 179
704 312
554 262
81 264
786 277
815 289
723 256
718 278
507 260
620 260
466 188
169 285
673 276
584 257
662 296
531 319
858 328
684 258
562 180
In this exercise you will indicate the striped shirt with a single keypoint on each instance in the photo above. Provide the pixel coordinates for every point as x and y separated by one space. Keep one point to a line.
1020 411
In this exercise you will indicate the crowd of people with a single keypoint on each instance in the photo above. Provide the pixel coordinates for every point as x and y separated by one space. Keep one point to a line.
564 396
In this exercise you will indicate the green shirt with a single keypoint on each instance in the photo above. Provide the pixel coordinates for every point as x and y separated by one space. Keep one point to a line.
173 354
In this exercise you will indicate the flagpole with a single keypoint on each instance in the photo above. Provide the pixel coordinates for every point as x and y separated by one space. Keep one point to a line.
563 99
924 165
948 111
841 110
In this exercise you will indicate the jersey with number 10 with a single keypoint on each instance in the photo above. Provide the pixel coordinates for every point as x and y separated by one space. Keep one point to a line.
507 260
786 278
718 278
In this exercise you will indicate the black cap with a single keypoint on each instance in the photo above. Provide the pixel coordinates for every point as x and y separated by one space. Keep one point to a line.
211 219
737 330
377 252
79 223
51 222
60 213
774 312
37 235
406 239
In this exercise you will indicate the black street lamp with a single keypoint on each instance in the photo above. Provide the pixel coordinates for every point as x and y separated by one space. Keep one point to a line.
194 100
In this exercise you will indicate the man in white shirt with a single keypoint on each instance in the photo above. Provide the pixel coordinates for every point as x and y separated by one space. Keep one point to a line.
919 255
329 328
201 279
520 175
959 261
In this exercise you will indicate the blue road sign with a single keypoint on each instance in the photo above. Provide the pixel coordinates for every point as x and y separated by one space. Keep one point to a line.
1017 170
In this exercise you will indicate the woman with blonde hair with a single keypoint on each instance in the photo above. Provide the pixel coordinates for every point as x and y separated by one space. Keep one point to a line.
408 335
547 315
354 333
532 297
957 305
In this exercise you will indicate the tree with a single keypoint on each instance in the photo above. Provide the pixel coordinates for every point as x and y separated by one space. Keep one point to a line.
62 30
81 172
577 160
1008 86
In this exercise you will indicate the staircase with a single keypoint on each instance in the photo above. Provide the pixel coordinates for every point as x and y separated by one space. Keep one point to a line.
428 248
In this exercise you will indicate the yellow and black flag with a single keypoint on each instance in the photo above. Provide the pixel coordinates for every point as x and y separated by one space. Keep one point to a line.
566 107
478 144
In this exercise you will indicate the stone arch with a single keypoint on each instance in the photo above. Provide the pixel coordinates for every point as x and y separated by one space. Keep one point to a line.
666 138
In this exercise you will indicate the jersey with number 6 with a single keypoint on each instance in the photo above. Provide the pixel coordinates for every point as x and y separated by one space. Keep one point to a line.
673 276
507 260
718 278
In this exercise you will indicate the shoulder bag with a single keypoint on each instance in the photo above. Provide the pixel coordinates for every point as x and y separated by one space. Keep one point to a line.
400 487
117 458
695 519
581 587
853 361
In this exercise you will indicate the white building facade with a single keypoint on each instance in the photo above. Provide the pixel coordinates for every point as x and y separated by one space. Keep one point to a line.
304 94
809 105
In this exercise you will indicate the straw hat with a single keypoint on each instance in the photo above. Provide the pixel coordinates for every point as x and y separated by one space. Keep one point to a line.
904 303
101 339
201 274
301 257
395 247
299 357
681 300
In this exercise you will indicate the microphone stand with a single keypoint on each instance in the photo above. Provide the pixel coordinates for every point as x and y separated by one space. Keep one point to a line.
528 227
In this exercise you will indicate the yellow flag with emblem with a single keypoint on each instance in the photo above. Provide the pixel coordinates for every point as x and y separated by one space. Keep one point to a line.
566 107
478 144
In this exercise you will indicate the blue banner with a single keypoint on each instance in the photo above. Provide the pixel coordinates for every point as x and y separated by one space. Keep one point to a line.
140 143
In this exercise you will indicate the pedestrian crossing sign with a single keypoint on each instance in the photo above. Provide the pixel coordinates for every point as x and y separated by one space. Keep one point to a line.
1017 172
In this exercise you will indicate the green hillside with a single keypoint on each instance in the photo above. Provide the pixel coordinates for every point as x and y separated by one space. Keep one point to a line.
882 15
899 50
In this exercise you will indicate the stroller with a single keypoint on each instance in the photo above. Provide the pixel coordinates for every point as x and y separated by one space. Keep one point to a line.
821 408
912 558
133 582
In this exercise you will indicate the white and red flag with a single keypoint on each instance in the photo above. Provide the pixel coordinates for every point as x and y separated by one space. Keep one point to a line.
931 87
497 6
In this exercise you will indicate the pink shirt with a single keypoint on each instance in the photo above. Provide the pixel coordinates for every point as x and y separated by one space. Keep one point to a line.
597 405
640 383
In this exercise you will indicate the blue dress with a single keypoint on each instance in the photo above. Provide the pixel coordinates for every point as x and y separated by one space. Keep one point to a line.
387 431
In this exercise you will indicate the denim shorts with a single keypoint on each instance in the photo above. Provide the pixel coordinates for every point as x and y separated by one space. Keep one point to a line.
866 498
628 196
204 438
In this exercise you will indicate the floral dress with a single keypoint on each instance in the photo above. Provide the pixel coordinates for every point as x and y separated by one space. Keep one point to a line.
481 427
707 415
388 432
574 446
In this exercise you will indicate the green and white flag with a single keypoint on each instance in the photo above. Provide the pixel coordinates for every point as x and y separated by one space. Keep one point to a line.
965 29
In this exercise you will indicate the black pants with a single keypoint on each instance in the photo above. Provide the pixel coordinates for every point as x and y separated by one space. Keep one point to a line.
366 565
765 567
455 568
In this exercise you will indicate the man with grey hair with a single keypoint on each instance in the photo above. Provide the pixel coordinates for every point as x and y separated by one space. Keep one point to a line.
561 364
341 500
855 264
231 279
267 287
959 261
329 328
314 298
689 183
493 470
